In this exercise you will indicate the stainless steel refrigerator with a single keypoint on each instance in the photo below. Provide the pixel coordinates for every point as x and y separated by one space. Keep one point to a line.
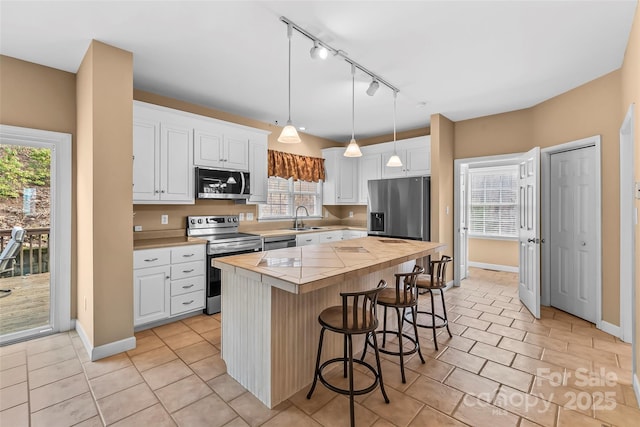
399 207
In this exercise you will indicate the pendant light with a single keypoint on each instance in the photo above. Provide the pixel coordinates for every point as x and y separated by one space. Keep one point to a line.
289 133
394 161
352 149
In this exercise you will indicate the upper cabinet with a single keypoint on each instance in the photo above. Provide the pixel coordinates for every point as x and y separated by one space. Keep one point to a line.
370 168
221 147
162 165
168 144
341 183
415 154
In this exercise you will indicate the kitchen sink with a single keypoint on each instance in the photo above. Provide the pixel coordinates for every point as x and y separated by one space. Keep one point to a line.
305 228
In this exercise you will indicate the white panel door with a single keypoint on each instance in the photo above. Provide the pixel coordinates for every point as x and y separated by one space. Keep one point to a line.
176 171
150 294
208 148
463 228
418 161
236 151
347 185
529 230
572 238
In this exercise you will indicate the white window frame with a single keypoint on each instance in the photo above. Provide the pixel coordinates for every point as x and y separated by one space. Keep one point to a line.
291 207
492 170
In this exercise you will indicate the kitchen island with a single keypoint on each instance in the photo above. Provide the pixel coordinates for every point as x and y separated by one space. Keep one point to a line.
271 302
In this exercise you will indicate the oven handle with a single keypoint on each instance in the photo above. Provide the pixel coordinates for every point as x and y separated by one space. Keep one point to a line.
230 250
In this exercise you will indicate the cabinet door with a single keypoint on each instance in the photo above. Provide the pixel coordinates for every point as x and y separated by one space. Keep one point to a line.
236 151
258 169
208 150
370 168
329 236
146 160
150 294
395 172
347 184
176 173
418 161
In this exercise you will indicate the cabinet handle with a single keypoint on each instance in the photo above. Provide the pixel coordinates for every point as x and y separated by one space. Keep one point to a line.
187 271
329 238
162 191
187 255
156 192
151 259
187 286
168 277
187 302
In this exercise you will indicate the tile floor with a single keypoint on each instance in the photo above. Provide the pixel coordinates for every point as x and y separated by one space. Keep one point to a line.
501 368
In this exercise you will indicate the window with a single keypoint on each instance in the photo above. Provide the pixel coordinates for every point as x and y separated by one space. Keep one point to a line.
285 195
494 202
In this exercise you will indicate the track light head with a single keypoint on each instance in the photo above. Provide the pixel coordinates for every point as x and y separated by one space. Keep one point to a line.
318 51
373 87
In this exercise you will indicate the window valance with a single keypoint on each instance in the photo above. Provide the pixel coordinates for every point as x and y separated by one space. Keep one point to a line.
303 168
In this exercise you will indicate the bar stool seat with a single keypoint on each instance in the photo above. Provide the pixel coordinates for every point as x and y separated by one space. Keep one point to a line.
404 296
429 283
356 316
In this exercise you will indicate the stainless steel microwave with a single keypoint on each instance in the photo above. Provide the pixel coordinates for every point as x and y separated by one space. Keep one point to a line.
221 184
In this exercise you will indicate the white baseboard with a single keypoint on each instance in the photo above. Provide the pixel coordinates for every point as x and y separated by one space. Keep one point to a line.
498 267
636 387
609 328
106 350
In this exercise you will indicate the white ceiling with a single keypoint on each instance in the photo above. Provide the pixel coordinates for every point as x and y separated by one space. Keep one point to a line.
463 59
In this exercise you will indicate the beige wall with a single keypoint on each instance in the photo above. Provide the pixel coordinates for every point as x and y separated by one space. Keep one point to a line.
38 97
105 145
442 152
631 94
492 251
591 109
399 135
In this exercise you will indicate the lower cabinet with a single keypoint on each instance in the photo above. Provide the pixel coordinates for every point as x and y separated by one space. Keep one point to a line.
353 234
306 239
167 282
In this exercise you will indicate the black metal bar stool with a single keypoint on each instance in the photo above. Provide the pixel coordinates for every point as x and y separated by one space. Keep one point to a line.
356 316
404 296
436 281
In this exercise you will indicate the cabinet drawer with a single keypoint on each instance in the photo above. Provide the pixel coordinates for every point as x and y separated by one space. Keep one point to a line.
187 302
150 258
190 284
187 269
187 253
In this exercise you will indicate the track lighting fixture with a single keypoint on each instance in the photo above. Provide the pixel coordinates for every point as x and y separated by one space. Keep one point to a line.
352 149
394 161
318 51
373 87
289 133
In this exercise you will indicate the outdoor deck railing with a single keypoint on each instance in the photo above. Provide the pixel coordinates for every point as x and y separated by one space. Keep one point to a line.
33 257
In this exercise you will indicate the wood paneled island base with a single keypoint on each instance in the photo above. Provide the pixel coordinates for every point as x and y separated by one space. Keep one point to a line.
271 302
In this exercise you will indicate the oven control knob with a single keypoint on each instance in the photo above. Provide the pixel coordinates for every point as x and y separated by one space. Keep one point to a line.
199 221
193 221
229 219
235 219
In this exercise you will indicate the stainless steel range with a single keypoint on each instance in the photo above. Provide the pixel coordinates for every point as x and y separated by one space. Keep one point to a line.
224 240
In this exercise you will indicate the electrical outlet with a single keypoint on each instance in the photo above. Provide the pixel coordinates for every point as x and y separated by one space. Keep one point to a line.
350 214
241 216
137 228
249 216
164 219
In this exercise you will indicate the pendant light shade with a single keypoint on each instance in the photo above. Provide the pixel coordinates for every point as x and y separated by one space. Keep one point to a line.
394 161
352 149
289 133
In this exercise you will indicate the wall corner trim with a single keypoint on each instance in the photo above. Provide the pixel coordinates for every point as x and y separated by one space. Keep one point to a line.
636 387
106 350
609 328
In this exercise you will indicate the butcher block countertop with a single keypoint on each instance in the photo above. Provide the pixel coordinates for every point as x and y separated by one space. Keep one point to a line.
304 269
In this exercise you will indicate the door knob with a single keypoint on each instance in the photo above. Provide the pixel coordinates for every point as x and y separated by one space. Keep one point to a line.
531 240
583 244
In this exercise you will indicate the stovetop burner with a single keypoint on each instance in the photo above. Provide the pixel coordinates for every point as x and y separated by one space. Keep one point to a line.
222 234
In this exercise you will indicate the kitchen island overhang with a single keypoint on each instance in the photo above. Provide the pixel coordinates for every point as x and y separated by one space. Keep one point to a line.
271 301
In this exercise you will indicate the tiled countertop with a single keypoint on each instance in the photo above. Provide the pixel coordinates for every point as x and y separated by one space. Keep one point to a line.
285 232
307 268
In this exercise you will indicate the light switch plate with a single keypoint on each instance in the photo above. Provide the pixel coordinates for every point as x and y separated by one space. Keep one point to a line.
137 228
241 216
164 219
249 216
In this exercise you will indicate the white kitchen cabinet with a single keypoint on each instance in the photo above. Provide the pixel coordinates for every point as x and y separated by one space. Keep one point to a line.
353 234
258 168
306 239
415 154
341 183
162 153
329 236
370 168
168 282
221 146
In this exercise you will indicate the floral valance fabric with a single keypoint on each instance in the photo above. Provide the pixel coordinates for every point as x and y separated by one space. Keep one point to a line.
303 168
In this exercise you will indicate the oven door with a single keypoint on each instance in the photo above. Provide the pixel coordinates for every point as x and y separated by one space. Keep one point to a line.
214 280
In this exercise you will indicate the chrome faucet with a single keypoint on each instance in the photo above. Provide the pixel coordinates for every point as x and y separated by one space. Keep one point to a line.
295 221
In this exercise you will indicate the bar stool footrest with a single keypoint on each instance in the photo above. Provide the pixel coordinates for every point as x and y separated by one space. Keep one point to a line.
442 324
376 377
395 334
